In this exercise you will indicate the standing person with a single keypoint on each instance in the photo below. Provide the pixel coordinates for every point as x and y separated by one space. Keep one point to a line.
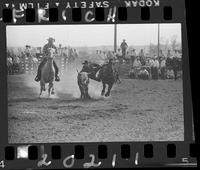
124 47
176 63
156 68
151 63
128 57
142 57
136 66
133 55
161 56
28 56
46 53
163 68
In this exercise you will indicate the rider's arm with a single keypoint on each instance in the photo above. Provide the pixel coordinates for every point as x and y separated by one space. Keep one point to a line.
56 50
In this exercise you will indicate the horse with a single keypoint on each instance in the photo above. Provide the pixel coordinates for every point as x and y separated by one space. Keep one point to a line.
83 81
108 76
48 74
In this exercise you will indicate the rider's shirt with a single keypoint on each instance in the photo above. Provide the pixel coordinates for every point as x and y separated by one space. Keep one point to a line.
46 49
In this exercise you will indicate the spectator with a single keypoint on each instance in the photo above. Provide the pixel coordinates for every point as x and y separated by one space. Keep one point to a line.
133 55
142 57
155 68
163 68
177 54
137 63
124 47
161 55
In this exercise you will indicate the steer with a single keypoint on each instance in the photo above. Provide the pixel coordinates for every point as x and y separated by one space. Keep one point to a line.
83 81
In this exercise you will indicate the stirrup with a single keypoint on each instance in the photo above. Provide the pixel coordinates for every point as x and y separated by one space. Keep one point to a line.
37 79
57 78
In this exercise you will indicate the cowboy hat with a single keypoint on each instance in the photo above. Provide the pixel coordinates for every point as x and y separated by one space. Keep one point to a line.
51 39
85 62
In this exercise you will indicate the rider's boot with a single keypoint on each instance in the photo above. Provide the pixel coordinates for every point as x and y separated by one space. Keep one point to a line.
57 78
37 78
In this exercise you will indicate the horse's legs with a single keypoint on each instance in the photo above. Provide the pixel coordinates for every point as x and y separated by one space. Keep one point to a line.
109 89
41 88
87 94
52 92
103 90
50 88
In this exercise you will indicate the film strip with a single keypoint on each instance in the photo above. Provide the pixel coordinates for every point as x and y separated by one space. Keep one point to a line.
143 119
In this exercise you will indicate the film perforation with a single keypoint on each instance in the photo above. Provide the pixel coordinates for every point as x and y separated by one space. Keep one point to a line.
33 152
76 14
145 13
171 150
79 152
56 152
193 150
53 15
10 153
167 13
122 13
99 14
7 15
102 152
148 151
125 151
30 15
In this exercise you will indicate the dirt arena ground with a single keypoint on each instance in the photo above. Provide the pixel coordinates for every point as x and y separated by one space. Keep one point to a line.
137 110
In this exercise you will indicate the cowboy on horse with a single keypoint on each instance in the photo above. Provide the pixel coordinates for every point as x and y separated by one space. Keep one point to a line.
91 68
46 53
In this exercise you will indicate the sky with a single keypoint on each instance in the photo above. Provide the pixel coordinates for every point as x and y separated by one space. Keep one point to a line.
90 35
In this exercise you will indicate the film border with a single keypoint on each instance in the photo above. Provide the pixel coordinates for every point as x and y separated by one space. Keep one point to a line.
178 16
